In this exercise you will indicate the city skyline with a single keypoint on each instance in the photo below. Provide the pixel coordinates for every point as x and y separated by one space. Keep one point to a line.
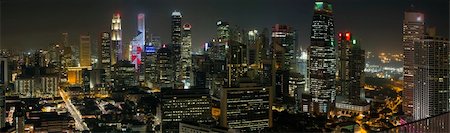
214 66
75 19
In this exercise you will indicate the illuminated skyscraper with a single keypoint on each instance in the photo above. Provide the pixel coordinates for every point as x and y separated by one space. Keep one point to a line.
138 42
164 67
350 67
85 50
413 30
321 60
150 62
105 54
186 56
116 39
124 74
223 31
283 43
431 77
176 49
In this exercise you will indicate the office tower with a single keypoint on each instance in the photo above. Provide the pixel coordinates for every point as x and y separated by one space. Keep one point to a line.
86 78
105 56
321 60
116 39
413 30
176 49
223 31
3 85
138 43
268 71
199 70
283 43
184 105
254 48
85 50
150 62
176 27
54 54
164 67
350 67
235 59
186 56
247 107
431 81
124 74
296 89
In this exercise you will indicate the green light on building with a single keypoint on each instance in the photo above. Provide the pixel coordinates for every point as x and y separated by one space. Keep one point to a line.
354 42
319 6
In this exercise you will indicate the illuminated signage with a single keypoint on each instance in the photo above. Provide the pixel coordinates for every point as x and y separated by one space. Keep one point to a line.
150 49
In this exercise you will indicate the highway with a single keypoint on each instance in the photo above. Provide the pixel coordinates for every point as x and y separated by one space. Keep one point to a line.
75 113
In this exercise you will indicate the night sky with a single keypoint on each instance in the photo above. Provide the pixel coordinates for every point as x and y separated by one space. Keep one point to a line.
377 24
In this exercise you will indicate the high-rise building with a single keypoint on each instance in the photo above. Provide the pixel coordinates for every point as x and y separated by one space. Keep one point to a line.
254 48
138 43
350 67
176 49
296 89
431 77
124 74
164 67
247 107
150 62
235 60
283 43
321 60
223 31
413 30
116 39
85 50
186 56
3 85
105 55
188 105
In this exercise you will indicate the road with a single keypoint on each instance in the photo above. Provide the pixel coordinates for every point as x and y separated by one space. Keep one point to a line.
75 113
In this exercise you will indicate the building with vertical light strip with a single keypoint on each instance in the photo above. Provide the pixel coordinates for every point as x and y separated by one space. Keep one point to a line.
322 59
186 56
85 50
116 39
138 42
413 30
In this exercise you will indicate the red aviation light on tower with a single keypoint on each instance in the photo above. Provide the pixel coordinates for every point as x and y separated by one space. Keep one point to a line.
348 36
